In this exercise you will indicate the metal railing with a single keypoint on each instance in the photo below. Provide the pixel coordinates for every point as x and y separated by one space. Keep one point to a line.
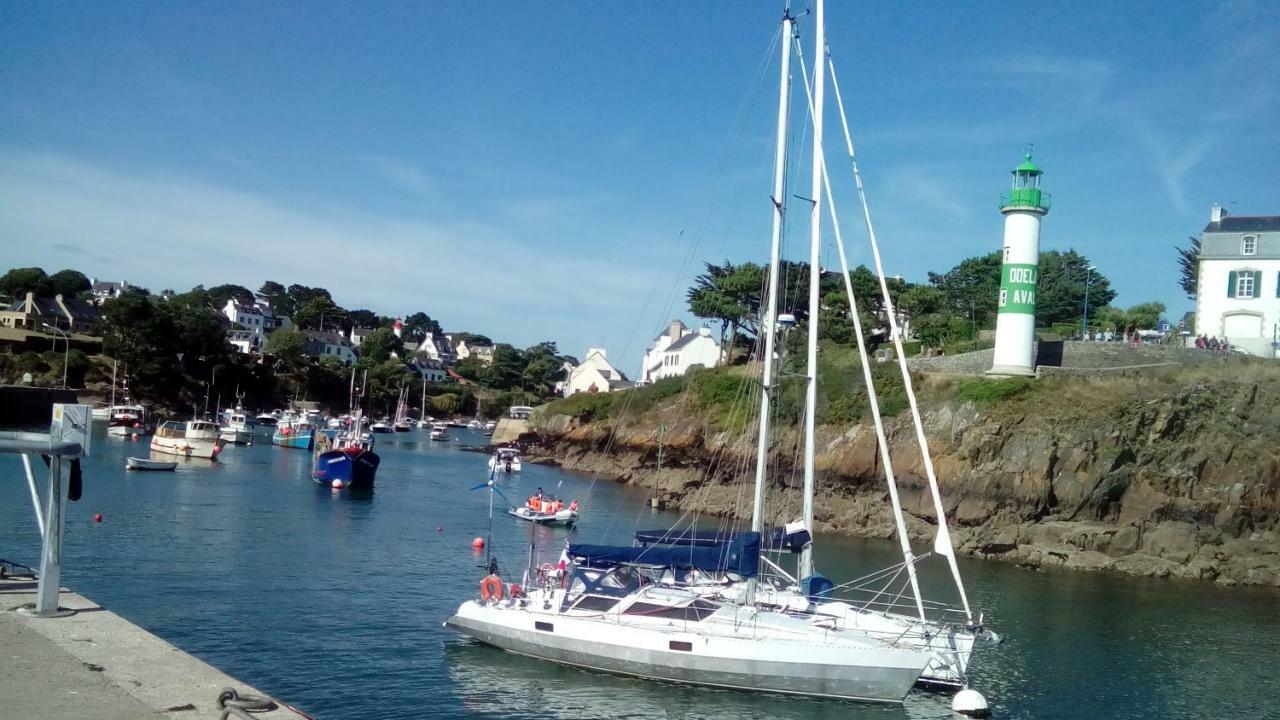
62 447
1026 198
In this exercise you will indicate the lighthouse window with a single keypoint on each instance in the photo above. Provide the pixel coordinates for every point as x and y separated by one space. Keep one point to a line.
1249 245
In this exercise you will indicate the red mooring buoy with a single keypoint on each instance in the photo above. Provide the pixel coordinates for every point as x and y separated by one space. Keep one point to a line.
477 543
97 518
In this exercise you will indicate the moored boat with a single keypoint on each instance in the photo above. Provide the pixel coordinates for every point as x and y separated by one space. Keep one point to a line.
505 460
440 432
546 510
237 428
127 420
266 420
294 433
137 463
192 439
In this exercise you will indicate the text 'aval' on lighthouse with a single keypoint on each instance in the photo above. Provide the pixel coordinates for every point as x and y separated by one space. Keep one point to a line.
1022 206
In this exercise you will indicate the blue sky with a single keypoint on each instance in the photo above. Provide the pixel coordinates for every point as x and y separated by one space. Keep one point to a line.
559 171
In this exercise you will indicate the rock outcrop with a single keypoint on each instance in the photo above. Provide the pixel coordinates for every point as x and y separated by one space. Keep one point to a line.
1148 476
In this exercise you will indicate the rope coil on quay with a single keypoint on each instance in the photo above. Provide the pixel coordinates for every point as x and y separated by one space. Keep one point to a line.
233 704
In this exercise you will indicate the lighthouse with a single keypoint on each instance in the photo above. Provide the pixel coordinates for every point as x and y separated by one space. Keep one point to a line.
1022 207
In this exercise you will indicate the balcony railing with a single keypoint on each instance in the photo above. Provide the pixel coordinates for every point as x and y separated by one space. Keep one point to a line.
1026 198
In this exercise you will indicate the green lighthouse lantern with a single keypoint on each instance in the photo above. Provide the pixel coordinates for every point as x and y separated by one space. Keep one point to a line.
1026 194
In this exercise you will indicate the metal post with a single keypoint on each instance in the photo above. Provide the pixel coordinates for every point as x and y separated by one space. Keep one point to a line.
51 554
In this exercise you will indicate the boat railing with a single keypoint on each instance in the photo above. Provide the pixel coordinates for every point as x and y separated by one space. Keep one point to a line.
66 442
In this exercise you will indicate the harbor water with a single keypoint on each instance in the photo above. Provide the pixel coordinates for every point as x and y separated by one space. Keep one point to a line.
334 602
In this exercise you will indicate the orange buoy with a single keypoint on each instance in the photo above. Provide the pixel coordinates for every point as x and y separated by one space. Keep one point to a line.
477 543
97 517
491 588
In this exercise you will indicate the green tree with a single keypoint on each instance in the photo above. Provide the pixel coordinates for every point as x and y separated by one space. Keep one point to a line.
972 287
446 404
220 294
287 345
68 283
362 319
506 371
378 345
417 325
919 300
729 294
319 312
1061 288
1189 267
278 296
1145 316
19 281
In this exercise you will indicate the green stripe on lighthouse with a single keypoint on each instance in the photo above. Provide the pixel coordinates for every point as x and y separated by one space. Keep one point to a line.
1018 288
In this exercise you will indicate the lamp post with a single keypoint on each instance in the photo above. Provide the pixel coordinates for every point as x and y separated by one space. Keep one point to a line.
1088 281
66 352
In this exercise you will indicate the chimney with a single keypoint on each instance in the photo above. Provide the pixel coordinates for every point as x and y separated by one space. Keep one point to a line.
674 332
1216 214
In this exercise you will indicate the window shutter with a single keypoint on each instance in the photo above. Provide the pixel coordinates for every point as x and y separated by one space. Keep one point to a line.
1257 283
1278 284
1231 284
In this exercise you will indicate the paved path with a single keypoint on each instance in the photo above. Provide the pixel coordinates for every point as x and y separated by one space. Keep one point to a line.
97 665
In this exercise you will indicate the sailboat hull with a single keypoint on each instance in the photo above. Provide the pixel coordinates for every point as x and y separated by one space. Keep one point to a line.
870 674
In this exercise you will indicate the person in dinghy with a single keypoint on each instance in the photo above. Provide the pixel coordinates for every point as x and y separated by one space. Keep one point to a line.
547 510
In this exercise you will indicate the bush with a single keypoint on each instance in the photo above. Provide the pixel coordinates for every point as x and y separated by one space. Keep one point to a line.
982 391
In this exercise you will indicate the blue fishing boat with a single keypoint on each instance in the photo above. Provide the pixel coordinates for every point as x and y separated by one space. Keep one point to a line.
348 467
294 433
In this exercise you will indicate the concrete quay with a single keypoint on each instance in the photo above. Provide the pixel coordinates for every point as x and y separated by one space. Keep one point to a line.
95 664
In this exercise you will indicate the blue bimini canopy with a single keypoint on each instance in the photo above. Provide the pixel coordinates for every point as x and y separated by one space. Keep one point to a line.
740 556
775 539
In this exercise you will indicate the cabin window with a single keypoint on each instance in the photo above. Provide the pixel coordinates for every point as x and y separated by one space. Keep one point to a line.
1249 245
543 626
681 645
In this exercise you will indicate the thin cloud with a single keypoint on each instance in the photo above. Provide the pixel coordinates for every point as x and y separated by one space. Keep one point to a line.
179 231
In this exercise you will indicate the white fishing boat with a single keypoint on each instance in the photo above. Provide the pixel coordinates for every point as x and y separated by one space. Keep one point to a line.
439 432
380 427
237 428
192 439
653 612
505 460
137 463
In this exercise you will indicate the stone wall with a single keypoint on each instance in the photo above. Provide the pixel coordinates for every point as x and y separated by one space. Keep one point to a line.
1060 357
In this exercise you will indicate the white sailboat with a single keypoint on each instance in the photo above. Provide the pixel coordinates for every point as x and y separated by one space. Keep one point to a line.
661 612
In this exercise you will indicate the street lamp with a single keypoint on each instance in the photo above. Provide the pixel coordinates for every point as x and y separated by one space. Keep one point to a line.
66 352
1088 281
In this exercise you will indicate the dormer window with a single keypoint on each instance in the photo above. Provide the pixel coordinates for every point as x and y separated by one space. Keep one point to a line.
1249 245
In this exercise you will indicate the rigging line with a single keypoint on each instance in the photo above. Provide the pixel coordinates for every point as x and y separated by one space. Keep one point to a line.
872 397
942 541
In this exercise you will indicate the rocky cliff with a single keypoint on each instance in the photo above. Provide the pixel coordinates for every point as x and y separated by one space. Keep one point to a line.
1169 474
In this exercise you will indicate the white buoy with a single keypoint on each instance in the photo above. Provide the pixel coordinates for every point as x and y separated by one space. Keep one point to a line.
970 703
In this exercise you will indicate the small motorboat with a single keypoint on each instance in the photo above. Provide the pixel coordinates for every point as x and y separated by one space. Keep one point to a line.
505 460
266 420
439 431
404 425
127 421
488 428
237 428
192 439
546 510
380 427
137 463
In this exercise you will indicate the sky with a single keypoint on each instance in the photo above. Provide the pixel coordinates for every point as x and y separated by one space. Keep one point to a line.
535 171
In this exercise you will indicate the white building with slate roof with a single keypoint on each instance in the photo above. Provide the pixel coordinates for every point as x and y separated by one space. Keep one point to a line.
678 350
1238 289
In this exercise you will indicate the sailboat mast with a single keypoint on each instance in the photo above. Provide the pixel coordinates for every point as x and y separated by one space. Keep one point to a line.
770 321
815 281
115 364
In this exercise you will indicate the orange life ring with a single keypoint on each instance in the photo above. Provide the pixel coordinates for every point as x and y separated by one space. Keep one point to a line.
491 588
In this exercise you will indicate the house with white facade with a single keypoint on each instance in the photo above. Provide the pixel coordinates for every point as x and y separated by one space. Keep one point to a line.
358 334
438 348
104 290
595 374
678 350
329 344
430 370
1238 284
470 348
250 318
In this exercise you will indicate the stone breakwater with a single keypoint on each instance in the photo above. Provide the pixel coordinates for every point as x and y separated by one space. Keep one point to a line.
1182 484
